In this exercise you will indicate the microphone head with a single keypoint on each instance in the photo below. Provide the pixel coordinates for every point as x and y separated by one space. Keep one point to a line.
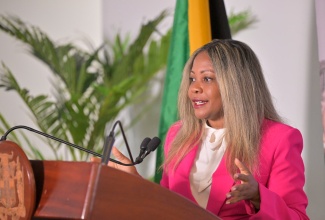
153 144
145 143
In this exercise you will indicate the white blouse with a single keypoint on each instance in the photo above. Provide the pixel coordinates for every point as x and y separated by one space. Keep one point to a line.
206 162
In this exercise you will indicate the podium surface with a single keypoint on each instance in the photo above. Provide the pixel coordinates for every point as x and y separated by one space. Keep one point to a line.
35 189
82 190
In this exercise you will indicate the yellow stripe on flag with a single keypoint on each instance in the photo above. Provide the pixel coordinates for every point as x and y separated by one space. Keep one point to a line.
199 27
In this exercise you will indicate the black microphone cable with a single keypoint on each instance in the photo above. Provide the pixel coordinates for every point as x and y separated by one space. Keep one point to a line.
4 137
142 155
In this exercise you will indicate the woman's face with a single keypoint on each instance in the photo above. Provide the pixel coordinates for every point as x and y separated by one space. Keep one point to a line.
204 91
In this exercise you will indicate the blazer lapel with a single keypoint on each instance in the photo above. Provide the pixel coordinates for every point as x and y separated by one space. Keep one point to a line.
221 185
183 174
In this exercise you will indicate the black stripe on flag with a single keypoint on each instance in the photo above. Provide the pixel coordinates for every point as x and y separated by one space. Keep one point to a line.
219 21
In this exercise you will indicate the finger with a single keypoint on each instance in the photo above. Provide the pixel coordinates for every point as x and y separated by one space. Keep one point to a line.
243 169
237 193
95 159
241 177
119 156
233 197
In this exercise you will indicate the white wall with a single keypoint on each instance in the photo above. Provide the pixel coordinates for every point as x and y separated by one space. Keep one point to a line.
62 21
284 40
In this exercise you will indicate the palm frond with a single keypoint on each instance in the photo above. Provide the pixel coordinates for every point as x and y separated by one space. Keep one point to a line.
90 87
241 21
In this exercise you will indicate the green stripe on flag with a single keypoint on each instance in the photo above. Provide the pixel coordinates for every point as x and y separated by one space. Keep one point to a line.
179 53
177 57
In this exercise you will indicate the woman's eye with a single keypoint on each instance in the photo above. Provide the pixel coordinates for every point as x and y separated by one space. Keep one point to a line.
192 79
207 79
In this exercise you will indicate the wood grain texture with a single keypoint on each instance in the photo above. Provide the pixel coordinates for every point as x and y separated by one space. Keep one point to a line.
17 183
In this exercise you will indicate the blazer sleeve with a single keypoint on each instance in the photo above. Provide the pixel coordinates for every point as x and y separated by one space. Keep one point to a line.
283 197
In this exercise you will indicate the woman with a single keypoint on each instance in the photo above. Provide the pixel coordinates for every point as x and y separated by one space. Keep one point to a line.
229 152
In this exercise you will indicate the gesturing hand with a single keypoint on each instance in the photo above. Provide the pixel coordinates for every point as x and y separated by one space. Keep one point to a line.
247 189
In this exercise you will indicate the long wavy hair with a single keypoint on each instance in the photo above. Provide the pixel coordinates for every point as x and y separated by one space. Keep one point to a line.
246 102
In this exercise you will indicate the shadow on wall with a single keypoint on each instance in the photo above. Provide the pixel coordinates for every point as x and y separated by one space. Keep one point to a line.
314 159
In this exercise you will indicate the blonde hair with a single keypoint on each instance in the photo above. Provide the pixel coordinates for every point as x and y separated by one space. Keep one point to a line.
246 102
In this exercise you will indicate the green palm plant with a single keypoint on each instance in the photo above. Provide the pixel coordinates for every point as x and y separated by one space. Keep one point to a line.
240 21
91 88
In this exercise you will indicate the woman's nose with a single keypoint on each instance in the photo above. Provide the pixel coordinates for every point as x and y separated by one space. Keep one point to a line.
196 88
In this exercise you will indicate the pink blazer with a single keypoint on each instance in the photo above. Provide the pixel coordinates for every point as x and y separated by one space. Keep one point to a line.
281 178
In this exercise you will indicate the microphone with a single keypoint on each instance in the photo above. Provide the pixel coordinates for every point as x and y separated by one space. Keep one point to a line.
152 146
143 148
146 147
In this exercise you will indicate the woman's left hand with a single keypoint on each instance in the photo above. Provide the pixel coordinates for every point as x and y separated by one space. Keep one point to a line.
247 189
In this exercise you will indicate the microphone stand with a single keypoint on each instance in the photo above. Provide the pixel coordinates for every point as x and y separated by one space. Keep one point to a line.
109 141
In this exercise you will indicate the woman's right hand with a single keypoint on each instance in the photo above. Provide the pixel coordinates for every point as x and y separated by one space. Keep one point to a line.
122 158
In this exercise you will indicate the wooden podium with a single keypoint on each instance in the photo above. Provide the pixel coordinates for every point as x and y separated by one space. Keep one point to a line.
85 190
